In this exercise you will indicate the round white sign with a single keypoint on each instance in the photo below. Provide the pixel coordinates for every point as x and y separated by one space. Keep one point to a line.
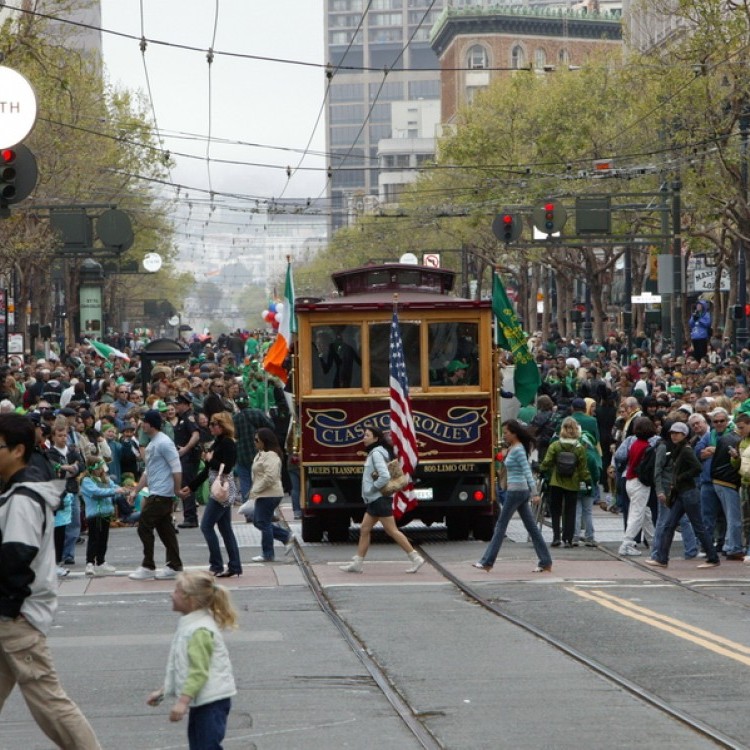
174 320
152 262
409 259
17 107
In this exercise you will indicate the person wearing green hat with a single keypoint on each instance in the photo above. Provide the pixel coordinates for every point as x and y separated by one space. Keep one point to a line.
167 427
455 372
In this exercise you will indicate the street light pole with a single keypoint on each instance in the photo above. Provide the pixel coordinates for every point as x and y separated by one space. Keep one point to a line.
741 334
677 316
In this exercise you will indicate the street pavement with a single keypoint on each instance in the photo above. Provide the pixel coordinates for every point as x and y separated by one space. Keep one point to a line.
477 681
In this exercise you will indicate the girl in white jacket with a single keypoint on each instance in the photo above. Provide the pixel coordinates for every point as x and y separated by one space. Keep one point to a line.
199 673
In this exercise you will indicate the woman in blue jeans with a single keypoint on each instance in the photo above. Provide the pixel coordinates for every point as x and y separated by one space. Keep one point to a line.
266 493
219 515
521 487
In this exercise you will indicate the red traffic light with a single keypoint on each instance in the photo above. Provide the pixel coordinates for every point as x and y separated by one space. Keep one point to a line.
507 219
8 155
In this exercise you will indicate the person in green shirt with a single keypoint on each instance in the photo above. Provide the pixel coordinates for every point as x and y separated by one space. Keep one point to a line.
740 460
588 424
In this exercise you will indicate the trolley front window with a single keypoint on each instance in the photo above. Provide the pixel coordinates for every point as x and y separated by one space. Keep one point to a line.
336 355
450 346
380 342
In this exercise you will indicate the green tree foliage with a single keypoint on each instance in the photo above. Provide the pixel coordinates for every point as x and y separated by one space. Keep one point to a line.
93 145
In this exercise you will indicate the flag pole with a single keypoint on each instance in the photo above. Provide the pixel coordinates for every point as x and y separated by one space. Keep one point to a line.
497 379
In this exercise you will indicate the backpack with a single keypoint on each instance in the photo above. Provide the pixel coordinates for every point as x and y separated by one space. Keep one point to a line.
566 462
645 469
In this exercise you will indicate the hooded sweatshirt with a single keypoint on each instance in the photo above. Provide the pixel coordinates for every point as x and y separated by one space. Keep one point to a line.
28 578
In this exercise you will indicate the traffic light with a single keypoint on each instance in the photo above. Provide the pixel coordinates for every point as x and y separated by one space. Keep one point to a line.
18 174
8 174
550 218
507 227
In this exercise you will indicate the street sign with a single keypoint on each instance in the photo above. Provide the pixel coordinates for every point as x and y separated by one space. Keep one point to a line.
17 107
152 262
646 299
431 259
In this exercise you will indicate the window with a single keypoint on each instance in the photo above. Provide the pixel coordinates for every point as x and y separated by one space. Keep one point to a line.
383 36
344 37
343 136
564 57
451 344
336 357
348 114
385 19
347 92
540 59
476 59
424 89
517 57
392 91
381 112
380 345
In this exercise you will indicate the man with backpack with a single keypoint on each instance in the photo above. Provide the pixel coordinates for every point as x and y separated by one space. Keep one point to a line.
28 590
565 464
638 482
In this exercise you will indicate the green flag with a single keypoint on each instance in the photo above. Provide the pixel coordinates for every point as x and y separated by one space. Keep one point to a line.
510 336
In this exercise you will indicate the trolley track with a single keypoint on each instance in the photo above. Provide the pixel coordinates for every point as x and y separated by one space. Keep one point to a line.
660 573
698 726
411 718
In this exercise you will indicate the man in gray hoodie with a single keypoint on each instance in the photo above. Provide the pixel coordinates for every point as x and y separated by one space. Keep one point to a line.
28 590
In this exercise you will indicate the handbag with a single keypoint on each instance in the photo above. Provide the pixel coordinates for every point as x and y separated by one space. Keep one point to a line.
220 487
397 481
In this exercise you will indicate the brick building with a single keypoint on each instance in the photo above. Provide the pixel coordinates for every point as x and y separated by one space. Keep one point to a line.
474 45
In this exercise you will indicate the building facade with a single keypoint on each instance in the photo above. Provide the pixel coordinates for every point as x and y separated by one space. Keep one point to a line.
474 45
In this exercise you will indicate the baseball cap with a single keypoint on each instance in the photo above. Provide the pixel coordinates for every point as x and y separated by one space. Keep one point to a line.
578 403
160 406
456 365
153 418
679 427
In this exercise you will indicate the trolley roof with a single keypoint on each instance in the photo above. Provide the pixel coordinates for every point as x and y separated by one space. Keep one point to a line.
373 287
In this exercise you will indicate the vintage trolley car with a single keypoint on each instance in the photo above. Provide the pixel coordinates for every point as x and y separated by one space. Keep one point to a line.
341 384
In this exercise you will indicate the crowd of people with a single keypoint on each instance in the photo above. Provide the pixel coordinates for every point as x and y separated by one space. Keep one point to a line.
661 439
125 449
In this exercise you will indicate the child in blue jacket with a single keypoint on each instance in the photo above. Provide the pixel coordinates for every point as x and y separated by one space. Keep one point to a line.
98 491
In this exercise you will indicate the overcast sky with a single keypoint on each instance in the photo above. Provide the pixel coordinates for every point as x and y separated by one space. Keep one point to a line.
252 101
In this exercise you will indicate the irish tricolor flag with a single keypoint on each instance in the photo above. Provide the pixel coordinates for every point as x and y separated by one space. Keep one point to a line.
273 362
103 350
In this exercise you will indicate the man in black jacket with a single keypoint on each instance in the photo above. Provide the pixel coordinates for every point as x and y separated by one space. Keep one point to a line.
726 482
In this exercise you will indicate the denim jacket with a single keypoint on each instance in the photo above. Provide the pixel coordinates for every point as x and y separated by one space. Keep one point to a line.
375 463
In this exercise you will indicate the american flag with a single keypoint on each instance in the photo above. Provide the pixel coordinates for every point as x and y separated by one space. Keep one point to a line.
403 437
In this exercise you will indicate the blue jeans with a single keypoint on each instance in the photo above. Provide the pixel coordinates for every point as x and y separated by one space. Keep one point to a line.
516 500
729 498
584 508
687 503
294 478
219 516
72 530
710 509
246 480
263 521
689 542
207 725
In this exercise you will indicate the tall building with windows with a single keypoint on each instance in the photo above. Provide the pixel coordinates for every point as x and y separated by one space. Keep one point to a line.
380 53
394 36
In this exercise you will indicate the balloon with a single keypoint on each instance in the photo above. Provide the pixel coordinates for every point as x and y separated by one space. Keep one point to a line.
277 318
272 306
265 315
279 308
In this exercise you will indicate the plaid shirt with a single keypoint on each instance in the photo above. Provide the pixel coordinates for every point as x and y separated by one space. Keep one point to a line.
246 422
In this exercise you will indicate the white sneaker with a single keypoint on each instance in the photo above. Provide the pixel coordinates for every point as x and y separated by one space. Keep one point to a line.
627 550
701 555
62 572
355 566
105 569
260 558
89 569
142 574
416 563
289 546
165 574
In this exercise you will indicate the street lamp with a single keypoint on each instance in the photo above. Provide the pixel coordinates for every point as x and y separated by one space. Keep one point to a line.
741 334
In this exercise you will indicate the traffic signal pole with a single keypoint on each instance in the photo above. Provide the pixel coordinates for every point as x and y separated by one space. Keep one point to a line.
741 334
677 305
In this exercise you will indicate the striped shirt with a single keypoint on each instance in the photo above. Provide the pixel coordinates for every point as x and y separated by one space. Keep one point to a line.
519 471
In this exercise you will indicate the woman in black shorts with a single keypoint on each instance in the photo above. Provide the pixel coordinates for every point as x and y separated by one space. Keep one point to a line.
378 508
